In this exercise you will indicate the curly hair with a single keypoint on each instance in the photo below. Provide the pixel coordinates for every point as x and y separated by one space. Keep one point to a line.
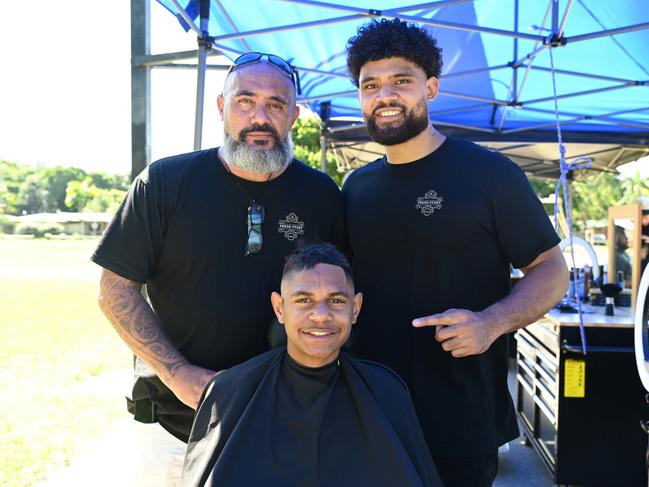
380 39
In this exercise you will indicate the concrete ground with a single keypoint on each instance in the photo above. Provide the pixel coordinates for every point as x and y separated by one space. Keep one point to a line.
519 465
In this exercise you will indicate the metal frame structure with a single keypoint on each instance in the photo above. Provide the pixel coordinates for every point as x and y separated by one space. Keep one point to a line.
143 62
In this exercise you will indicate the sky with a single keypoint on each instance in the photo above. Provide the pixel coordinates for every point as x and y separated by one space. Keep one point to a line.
66 99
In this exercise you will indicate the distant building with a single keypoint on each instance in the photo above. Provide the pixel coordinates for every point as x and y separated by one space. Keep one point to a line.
72 223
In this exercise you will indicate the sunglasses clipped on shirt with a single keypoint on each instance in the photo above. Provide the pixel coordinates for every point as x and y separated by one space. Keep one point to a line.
256 215
253 57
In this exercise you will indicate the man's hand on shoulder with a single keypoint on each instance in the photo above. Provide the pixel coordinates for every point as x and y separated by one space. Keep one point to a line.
189 382
461 332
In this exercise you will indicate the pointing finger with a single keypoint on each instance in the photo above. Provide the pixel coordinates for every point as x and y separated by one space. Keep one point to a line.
448 317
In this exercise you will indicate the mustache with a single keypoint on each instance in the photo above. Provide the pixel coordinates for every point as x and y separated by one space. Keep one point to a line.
266 127
386 105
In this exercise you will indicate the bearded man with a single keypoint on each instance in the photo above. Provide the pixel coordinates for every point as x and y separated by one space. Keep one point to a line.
434 227
207 232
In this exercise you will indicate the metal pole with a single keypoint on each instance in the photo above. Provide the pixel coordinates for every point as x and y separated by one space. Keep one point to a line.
186 18
323 152
512 91
610 32
562 27
577 93
140 87
200 74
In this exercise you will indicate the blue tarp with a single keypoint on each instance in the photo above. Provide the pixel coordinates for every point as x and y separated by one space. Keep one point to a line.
602 82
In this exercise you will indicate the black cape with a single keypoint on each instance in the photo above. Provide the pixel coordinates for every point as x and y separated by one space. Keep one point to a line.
272 422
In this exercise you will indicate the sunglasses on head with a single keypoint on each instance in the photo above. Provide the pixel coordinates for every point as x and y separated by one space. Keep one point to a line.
252 57
256 215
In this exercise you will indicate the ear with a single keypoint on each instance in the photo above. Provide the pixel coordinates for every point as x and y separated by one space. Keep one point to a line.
295 115
277 301
358 301
432 86
220 103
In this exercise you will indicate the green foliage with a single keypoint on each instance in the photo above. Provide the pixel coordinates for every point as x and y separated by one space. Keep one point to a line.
306 142
85 196
5 225
27 189
56 180
594 195
542 187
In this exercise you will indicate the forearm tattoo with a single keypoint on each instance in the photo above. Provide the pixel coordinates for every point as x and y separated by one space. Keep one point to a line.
123 304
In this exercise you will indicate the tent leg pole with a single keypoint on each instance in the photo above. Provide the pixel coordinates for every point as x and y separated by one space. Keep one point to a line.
200 97
323 152
204 43
140 87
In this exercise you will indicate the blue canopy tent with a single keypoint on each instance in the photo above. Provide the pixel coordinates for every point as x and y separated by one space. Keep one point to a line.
496 88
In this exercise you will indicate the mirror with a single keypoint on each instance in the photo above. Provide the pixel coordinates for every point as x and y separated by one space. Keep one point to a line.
624 248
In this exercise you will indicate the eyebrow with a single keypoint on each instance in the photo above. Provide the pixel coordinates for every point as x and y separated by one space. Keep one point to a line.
403 74
276 98
300 292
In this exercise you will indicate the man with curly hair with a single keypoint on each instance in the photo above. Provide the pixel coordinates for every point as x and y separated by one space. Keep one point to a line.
434 227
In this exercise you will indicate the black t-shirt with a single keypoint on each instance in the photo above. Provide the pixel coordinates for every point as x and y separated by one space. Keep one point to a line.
435 234
182 230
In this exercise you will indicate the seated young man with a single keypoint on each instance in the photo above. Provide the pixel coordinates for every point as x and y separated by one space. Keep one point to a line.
308 414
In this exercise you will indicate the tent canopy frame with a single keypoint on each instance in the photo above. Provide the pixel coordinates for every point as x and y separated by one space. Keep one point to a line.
143 61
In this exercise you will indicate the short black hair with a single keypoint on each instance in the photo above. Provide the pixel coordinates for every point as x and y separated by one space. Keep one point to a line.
380 39
309 255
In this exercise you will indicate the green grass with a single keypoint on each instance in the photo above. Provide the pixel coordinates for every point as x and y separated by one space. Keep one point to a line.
59 358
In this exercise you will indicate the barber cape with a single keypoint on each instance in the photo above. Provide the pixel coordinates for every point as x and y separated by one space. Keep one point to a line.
271 422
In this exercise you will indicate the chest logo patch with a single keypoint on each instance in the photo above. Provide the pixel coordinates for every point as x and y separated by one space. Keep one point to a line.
428 203
291 227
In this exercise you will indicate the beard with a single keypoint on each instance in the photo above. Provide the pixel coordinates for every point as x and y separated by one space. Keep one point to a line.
416 121
246 156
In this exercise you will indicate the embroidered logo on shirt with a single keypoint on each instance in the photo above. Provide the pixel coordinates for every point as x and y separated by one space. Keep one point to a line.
428 203
291 227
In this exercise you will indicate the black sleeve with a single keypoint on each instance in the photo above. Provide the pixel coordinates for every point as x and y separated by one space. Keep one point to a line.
345 190
131 245
523 228
339 237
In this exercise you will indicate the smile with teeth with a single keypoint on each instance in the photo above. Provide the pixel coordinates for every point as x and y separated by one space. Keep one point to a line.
318 333
389 113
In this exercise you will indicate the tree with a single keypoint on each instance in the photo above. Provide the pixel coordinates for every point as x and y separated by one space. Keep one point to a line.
592 197
85 196
55 181
12 176
32 196
306 146
34 189
634 187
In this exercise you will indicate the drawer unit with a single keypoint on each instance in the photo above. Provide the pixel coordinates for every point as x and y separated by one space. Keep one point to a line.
582 413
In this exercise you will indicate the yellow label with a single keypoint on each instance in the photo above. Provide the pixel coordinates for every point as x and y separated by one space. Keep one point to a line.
574 382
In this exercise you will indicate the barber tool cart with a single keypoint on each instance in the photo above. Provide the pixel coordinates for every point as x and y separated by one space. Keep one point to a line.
582 413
